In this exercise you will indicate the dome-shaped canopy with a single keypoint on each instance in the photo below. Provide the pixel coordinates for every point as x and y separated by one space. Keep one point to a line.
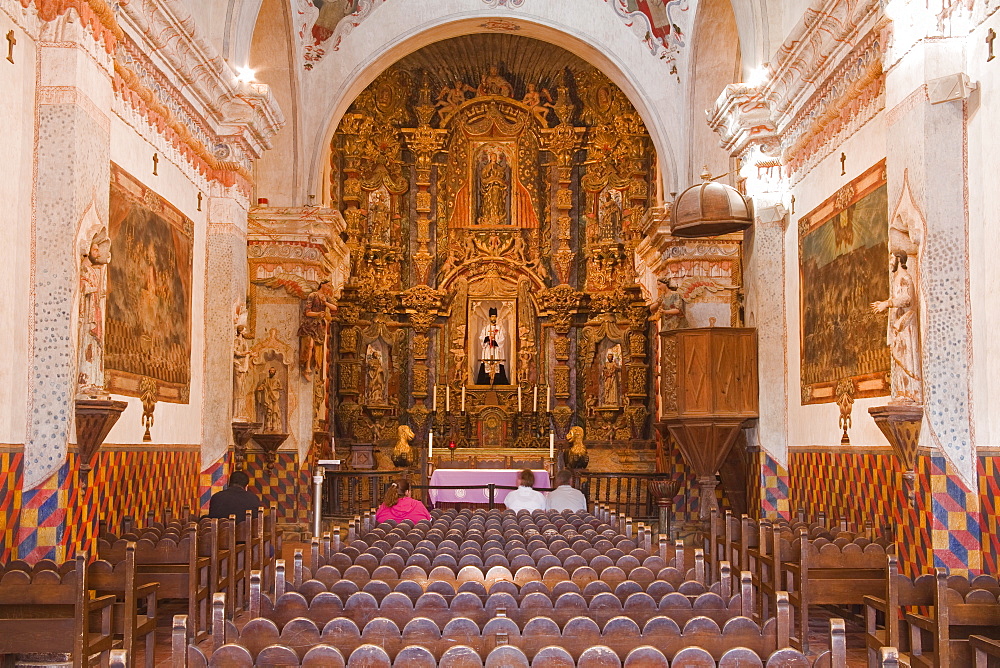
709 209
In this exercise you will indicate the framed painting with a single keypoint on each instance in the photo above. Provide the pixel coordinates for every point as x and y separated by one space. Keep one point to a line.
843 255
148 330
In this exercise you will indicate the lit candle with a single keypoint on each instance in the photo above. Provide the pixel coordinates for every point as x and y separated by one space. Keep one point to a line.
430 444
548 398
463 398
552 445
447 399
435 398
518 398
535 402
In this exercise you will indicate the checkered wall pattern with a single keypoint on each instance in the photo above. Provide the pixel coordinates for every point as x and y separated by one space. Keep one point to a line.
213 479
956 530
989 495
285 485
772 495
60 516
10 503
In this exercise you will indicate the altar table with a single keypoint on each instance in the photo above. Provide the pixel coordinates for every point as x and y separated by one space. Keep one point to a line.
473 478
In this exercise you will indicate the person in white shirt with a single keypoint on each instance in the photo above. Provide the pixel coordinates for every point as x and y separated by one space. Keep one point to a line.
564 497
524 497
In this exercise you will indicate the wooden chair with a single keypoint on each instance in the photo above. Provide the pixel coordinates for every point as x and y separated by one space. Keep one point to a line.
984 649
49 612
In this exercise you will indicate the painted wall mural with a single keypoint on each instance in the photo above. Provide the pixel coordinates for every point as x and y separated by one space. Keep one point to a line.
335 20
843 246
657 22
149 293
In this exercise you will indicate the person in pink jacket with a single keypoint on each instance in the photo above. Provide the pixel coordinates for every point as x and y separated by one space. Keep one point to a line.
398 504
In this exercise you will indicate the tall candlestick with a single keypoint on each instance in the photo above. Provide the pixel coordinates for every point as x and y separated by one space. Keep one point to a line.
447 399
435 407
463 398
535 403
552 445
548 398
430 444
518 398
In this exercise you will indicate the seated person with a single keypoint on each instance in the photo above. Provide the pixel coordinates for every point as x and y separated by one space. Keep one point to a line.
524 497
398 504
564 497
234 499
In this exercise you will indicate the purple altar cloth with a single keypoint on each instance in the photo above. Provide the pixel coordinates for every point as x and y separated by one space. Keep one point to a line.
473 477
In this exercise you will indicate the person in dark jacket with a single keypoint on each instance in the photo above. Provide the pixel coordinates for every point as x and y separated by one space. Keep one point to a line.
234 499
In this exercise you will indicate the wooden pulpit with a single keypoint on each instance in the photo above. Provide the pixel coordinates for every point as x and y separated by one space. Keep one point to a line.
708 392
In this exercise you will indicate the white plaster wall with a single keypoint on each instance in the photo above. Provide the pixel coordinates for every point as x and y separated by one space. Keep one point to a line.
174 424
17 118
983 199
587 28
817 424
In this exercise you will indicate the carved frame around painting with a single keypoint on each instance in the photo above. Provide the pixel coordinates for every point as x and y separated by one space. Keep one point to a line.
843 255
148 330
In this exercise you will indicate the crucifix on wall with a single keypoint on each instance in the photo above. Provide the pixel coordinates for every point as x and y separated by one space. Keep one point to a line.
11 41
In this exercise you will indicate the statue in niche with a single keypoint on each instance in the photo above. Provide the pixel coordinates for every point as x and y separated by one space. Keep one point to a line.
316 314
379 215
611 380
492 360
494 84
539 101
902 332
93 293
493 175
610 214
672 306
241 367
268 396
459 372
376 387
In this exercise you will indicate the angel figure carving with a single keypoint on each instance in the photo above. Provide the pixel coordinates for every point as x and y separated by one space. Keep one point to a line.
402 454
319 305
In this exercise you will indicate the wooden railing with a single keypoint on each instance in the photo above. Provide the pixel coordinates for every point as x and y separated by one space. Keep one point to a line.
349 493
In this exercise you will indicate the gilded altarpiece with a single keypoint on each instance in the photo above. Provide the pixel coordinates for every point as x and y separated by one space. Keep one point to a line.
493 189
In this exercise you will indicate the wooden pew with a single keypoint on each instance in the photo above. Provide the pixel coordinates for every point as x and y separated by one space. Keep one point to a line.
51 612
183 569
135 605
948 625
834 573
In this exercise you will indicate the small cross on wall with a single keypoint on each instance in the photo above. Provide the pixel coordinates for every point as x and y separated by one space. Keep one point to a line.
11 41
156 161
843 164
990 36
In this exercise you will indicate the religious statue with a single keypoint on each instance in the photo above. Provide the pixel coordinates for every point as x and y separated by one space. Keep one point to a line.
492 189
576 456
93 293
610 383
533 99
610 214
902 332
316 314
241 367
672 306
268 395
376 378
492 365
379 217
494 84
